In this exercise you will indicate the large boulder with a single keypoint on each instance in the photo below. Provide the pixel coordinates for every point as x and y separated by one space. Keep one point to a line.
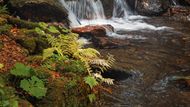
39 10
152 7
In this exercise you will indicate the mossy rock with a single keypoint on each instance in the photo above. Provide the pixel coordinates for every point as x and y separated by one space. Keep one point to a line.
21 23
28 43
39 10
41 44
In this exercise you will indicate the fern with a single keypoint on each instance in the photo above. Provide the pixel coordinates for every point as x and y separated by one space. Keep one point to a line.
92 97
106 80
65 43
91 81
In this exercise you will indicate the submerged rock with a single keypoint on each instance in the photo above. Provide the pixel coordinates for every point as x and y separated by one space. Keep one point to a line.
39 10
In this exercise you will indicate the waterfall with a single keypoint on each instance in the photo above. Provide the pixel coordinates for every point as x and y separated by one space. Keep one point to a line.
87 9
121 9
73 19
91 12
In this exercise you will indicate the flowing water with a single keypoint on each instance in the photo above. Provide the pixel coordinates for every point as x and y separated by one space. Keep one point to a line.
158 50
152 61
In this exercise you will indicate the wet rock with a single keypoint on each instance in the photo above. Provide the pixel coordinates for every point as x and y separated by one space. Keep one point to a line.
152 7
109 42
178 13
98 36
93 31
39 10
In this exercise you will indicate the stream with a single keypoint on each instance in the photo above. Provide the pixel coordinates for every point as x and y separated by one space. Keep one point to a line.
152 59
158 50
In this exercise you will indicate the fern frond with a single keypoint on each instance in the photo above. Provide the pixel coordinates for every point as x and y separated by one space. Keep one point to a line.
108 81
88 53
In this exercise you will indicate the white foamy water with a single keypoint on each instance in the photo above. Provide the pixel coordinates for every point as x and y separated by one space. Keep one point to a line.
122 24
91 12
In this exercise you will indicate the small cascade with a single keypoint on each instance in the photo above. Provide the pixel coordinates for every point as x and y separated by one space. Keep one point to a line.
91 12
87 9
121 9
73 19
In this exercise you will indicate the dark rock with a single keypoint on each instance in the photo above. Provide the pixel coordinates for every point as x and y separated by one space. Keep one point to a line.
117 73
108 7
152 7
39 10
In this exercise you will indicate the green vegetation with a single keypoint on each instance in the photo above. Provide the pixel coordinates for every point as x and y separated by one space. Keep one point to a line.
21 70
58 68
34 87
3 9
67 52
7 95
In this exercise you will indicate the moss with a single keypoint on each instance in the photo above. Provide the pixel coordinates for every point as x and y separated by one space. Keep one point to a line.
5 28
22 23
41 44
28 43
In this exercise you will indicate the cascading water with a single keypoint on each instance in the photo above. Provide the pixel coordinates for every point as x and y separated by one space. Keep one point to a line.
73 20
87 9
91 12
121 9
